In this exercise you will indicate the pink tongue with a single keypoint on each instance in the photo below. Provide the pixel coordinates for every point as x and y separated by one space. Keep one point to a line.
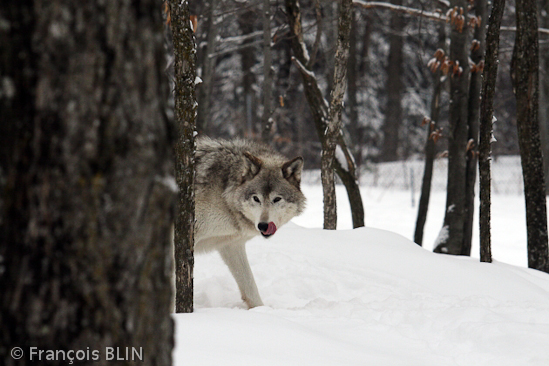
271 229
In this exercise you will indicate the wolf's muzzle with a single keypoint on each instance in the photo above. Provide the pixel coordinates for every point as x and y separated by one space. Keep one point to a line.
267 229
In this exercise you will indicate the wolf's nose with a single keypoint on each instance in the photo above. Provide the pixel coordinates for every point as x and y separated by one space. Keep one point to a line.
263 226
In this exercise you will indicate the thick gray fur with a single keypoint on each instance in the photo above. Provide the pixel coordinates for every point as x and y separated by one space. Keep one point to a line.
231 177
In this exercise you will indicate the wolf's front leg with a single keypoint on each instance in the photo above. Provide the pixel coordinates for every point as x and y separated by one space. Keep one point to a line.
235 257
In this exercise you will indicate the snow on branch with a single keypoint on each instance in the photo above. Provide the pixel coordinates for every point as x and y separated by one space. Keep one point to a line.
400 9
302 68
239 43
235 49
514 29
242 38
437 15
444 3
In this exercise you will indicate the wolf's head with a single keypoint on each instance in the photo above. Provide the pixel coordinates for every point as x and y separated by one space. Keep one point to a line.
270 194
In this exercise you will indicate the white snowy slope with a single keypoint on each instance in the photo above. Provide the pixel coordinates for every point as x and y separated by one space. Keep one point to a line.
364 297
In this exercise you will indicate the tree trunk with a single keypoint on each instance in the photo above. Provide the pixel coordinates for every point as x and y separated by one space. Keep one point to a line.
333 130
430 147
395 86
524 73
363 65
246 25
208 70
85 149
475 84
544 93
330 11
346 171
362 69
450 240
486 126
266 121
319 109
352 92
185 114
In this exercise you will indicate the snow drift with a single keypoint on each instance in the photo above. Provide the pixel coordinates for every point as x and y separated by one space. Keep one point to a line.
364 297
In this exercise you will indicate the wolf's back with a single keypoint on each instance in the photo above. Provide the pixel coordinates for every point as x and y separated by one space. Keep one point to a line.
220 162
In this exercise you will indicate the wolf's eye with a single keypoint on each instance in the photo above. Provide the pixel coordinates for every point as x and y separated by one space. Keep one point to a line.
256 199
277 199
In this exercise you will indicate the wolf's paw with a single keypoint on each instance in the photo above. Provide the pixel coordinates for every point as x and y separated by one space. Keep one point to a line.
252 304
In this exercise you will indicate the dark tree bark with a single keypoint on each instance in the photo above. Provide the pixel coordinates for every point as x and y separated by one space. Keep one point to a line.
330 11
266 121
85 147
185 115
318 35
333 130
246 24
451 240
489 77
395 87
208 60
352 92
363 64
525 76
544 92
319 109
475 83
361 68
430 147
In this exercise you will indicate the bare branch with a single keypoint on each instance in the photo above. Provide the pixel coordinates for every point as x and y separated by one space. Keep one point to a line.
242 38
400 9
444 3
318 33
235 49
421 13
514 29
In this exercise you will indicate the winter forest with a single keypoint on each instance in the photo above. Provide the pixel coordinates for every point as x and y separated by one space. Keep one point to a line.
424 131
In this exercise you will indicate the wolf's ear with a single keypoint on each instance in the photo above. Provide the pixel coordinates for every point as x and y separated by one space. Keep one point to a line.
252 164
291 170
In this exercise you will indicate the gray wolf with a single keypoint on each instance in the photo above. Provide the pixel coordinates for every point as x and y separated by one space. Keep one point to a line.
242 189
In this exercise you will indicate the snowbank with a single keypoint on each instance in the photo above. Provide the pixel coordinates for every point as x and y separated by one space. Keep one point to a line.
364 297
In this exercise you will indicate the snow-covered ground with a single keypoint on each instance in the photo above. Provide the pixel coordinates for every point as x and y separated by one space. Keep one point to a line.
392 210
370 296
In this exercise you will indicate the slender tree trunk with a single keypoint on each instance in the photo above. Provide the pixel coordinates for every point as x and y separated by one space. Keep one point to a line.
85 147
208 70
246 22
475 84
330 11
318 35
525 76
352 91
266 121
544 92
430 148
362 69
363 65
395 87
333 130
319 107
450 240
346 171
486 126
185 114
